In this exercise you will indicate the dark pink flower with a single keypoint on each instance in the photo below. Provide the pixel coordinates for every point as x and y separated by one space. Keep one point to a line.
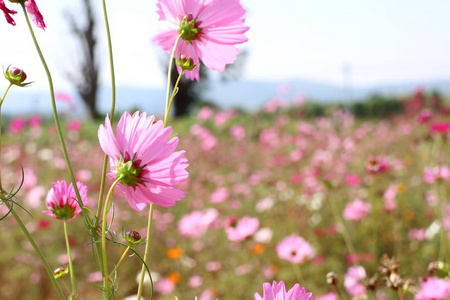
35 14
142 154
434 289
7 12
295 249
440 128
61 200
209 30
277 291
17 125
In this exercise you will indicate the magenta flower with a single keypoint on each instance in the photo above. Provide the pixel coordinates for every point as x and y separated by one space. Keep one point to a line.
295 249
356 210
61 200
209 30
35 14
239 230
352 281
7 12
277 291
434 289
143 156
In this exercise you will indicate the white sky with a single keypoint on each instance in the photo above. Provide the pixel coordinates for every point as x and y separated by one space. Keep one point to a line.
383 41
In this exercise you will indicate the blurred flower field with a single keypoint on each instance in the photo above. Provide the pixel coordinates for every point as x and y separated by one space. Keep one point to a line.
270 196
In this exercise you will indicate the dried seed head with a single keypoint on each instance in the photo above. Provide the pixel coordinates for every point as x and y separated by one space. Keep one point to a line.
388 265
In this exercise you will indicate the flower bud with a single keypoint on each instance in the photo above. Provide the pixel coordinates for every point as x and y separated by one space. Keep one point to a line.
133 237
331 278
16 76
60 272
186 63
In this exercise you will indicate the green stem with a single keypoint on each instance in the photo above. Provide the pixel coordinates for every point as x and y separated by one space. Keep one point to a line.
174 92
147 249
1 103
69 256
340 223
37 250
113 108
298 274
169 75
106 290
55 114
120 261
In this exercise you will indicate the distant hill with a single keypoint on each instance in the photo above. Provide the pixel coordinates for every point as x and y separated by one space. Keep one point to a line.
249 95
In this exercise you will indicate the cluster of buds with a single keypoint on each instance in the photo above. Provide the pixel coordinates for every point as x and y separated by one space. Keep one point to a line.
16 76
186 63
60 272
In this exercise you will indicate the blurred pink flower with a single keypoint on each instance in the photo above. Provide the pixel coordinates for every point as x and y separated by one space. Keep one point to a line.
356 210
352 180
389 197
61 200
35 14
417 234
95 277
329 296
239 230
17 125
438 173
352 281
376 165
295 249
209 29
35 121
434 289
424 116
238 132
7 12
197 223
165 286
277 291
205 113
440 127
74 125
219 195
142 153
213 266
195 281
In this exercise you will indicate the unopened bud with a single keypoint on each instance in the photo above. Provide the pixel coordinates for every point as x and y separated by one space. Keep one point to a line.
16 76
133 237
186 63
60 272
332 278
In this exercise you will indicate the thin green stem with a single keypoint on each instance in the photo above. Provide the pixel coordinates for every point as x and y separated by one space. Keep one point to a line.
106 290
1 102
55 113
298 274
169 75
37 250
174 92
120 261
146 252
69 256
113 108
340 223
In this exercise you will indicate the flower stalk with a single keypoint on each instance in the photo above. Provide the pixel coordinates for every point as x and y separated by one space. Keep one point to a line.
69 257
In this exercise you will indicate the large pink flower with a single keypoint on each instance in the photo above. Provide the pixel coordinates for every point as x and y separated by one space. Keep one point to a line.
61 200
277 291
210 30
142 154
7 12
434 289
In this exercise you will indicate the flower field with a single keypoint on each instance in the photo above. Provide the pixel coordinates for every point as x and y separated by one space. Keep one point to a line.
270 196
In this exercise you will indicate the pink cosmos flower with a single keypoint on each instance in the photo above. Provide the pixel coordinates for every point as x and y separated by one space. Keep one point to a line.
329 296
209 30
61 200
239 230
277 291
197 223
142 154
356 210
438 173
434 289
417 234
35 14
219 195
165 286
17 125
352 281
440 127
7 12
295 249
